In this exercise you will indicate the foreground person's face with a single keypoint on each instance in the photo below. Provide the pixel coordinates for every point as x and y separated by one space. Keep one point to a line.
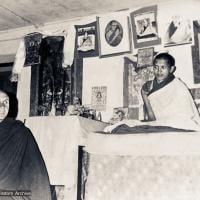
4 105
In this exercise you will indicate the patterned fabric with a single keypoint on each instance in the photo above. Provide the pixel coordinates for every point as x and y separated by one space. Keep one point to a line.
54 89
143 178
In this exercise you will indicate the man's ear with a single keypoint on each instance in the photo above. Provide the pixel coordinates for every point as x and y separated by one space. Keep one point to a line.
173 69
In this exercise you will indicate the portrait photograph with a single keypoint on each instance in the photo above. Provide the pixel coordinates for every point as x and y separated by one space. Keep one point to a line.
144 27
114 37
113 33
178 31
86 40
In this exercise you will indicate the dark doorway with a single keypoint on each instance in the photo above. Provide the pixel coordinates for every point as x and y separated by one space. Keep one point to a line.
5 73
9 87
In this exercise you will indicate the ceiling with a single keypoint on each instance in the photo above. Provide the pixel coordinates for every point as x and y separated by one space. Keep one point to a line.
21 13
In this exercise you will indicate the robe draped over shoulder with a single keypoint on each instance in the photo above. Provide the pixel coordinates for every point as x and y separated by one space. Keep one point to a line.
174 101
21 163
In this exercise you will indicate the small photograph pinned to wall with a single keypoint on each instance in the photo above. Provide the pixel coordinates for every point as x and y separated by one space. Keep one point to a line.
178 31
145 57
99 98
144 27
86 40
32 45
134 78
114 37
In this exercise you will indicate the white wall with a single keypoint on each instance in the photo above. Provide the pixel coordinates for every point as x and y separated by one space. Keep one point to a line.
104 72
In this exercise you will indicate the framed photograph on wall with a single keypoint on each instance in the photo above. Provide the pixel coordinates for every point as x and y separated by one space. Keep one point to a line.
178 31
99 98
114 37
145 57
144 27
86 44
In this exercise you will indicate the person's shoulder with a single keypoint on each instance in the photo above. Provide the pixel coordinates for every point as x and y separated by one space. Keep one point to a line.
20 127
180 82
180 86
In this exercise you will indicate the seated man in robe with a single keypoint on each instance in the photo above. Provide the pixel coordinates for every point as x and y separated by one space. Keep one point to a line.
167 100
21 164
167 96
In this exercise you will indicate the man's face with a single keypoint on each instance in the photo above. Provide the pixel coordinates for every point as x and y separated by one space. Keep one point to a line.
4 105
161 70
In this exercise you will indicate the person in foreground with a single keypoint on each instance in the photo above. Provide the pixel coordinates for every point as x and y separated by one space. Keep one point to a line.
167 100
21 165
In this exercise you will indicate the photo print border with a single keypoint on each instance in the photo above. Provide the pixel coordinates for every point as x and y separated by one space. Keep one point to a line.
114 34
144 27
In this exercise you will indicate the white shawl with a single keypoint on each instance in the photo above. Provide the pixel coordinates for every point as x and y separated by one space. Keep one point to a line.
174 102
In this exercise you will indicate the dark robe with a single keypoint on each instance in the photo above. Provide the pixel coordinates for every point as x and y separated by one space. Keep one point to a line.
21 164
153 86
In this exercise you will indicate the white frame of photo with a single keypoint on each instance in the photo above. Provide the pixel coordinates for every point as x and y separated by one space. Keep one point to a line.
166 40
124 45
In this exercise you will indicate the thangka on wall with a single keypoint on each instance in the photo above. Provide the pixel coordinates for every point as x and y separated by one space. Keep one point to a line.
135 78
50 91
32 45
113 31
145 57
195 52
99 98
144 27
178 31
86 40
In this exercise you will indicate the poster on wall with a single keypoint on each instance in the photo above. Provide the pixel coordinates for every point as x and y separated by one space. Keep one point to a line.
195 52
114 37
32 45
178 31
144 27
86 40
145 57
99 98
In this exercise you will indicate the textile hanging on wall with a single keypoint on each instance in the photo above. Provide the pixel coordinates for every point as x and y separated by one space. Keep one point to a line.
134 78
50 85
195 52
32 45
